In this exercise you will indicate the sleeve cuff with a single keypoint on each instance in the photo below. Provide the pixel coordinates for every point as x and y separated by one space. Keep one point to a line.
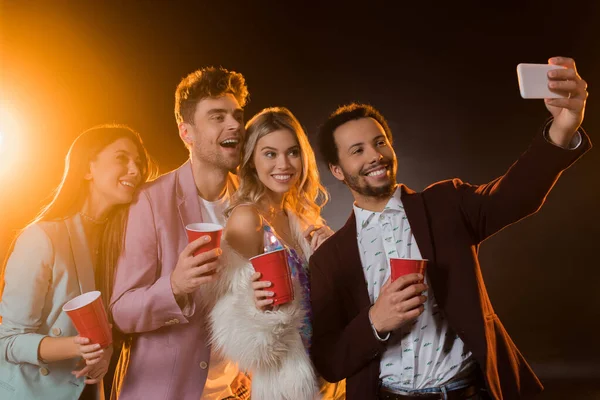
25 349
190 306
168 309
384 339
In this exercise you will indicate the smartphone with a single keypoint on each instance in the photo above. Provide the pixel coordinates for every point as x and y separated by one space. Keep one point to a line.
533 81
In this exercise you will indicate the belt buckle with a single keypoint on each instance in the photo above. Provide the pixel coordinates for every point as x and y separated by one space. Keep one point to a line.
388 394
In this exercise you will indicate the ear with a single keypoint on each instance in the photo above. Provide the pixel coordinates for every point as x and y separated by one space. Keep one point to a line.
184 133
337 172
88 175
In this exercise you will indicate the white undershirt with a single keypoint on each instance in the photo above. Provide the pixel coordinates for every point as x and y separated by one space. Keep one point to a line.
221 372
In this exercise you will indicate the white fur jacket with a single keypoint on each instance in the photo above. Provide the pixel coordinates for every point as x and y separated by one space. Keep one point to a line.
267 344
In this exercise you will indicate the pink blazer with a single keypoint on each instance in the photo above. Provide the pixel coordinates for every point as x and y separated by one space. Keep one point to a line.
169 353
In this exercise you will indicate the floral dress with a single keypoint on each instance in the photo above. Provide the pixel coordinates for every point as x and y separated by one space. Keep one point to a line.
299 270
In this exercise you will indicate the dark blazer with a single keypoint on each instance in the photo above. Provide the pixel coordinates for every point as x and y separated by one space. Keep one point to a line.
449 220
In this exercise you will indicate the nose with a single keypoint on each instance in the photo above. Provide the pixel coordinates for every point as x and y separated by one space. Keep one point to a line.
283 162
232 123
374 155
134 169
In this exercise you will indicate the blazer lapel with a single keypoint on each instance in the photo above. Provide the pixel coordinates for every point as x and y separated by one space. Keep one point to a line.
349 255
416 213
81 254
188 201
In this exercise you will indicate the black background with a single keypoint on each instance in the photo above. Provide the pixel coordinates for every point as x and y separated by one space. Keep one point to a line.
443 74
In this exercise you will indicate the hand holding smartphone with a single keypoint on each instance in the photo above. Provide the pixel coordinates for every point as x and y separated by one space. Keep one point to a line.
533 81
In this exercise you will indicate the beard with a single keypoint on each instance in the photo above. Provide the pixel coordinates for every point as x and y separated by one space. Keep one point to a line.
215 158
362 187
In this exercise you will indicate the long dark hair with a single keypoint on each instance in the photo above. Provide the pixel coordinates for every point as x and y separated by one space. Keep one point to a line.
72 191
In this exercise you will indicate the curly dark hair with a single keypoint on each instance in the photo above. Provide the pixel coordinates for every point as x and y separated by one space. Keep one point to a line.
349 112
207 82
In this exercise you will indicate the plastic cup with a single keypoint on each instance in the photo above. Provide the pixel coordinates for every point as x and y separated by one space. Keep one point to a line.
274 268
194 231
405 266
89 317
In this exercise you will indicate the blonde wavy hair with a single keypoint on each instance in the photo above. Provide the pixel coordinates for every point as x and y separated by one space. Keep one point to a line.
308 196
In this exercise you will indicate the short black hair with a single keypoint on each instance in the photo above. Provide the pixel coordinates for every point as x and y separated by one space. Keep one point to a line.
343 114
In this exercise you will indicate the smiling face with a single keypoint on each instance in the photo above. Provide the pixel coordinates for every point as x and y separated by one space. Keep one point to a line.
114 173
216 132
367 162
278 161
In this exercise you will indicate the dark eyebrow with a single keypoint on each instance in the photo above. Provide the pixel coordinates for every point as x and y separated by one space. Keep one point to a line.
217 111
296 146
268 148
137 159
224 111
355 145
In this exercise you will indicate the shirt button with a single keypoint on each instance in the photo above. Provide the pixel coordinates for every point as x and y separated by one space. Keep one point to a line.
56 331
44 371
203 364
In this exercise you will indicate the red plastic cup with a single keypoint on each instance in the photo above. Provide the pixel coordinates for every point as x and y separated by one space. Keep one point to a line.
194 231
405 266
274 268
89 317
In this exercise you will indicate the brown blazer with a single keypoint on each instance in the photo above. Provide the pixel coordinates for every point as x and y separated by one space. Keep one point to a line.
449 220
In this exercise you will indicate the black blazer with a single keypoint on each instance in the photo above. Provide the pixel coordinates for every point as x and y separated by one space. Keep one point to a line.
449 220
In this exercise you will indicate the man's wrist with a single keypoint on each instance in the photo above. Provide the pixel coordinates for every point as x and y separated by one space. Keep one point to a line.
569 141
381 336
176 292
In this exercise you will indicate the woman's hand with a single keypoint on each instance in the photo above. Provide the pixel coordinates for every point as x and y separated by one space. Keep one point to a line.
316 235
262 298
96 360
90 353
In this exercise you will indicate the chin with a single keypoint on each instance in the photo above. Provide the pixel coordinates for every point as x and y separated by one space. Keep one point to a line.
280 189
231 165
123 200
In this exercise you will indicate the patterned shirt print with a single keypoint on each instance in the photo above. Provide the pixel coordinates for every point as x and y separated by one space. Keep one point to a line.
299 269
426 354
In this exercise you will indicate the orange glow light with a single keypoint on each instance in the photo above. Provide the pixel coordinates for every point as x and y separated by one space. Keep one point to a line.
10 131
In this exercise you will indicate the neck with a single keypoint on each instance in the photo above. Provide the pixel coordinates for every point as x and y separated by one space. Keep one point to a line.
94 210
211 181
94 218
273 203
276 200
372 203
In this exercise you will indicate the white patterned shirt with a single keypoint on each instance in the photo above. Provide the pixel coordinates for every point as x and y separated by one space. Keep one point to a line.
427 353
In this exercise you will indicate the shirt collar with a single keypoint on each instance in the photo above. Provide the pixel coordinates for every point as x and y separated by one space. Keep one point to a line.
364 217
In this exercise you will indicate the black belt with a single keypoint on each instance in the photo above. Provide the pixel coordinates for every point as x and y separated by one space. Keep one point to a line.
458 394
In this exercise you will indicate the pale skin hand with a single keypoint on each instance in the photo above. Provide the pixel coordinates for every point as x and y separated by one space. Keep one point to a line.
316 235
262 297
567 112
54 349
96 360
399 303
191 271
